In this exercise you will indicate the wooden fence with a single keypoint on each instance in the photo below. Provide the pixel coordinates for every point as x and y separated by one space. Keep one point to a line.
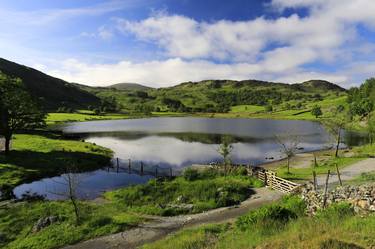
140 168
277 183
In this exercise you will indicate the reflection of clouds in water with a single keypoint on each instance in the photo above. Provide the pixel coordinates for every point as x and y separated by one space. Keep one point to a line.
159 149
173 151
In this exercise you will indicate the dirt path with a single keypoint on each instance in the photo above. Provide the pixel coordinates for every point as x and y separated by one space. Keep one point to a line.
350 172
160 227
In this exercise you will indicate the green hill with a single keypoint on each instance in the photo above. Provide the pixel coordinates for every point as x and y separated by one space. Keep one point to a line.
203 96
52 92
130 87
221 95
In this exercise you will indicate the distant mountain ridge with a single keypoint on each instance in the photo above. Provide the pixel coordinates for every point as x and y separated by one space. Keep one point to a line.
195 96
130 87
52 92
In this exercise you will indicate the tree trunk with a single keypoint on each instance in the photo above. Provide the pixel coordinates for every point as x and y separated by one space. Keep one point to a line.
76 211
7 144
338 143
288 159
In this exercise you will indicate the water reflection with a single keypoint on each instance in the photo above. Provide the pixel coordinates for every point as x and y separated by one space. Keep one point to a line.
179 142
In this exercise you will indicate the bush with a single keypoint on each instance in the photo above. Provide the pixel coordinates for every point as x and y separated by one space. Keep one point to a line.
191 174
270 213
337 244
336 210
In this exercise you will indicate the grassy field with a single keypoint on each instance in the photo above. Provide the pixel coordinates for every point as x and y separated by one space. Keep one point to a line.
16 223
34 156
54 118
280 225
204 190
305 174
193 193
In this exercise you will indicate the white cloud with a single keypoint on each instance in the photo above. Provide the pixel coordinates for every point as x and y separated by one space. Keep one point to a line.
168 72
48 16
270 49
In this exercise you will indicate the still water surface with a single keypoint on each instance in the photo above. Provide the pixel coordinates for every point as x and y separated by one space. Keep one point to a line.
177 143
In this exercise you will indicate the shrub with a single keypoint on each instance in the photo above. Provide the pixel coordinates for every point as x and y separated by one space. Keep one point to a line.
337 244
336 210
268 213
191 174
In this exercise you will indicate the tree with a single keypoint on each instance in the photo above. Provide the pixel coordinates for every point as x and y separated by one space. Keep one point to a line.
316 111
335 126
18 110
71 181
371 128
289 147
268 108
225 148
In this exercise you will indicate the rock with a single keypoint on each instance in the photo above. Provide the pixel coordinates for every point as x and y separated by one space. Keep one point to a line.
181 199
186 207
362 198
44 222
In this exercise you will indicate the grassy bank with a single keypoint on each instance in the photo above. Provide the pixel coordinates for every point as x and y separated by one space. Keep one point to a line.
194 192
16 223
281 225
123 208
305 174
81 116
34 156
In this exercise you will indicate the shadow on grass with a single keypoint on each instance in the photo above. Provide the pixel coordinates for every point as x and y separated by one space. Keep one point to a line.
32 165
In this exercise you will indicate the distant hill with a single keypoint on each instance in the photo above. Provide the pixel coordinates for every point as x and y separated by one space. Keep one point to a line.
218 95
312 85
130 87
52 92
202 96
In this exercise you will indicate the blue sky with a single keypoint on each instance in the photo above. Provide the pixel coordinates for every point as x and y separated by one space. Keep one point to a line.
165 42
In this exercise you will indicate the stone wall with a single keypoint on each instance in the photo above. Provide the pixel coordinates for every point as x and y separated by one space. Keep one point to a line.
361 197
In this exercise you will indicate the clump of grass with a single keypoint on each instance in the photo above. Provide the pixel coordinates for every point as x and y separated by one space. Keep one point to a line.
194 192
17 221
283 225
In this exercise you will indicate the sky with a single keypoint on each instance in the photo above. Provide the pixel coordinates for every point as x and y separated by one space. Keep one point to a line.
161 43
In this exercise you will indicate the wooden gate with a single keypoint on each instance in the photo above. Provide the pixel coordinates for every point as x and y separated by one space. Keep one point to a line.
277 183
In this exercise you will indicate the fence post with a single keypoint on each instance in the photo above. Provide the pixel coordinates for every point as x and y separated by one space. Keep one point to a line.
314 180
130 167
265 177
117 164
326 190
338 174
315 162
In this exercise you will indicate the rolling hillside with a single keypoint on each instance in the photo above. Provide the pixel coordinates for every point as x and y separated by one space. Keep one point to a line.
222 95
52 92
203 96
130 87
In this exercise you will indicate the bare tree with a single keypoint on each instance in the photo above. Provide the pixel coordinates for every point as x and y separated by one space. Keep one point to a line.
225 148
289 147
71 183
335 126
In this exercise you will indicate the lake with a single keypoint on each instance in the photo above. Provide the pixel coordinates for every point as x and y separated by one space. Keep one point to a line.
178 142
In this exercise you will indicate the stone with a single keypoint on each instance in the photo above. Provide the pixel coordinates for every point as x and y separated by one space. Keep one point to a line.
44 222
181 199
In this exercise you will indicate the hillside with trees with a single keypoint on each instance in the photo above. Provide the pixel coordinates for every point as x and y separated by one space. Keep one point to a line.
53 93
219 96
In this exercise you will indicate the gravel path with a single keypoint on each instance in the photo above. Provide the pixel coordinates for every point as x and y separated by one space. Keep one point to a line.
160 227
350 172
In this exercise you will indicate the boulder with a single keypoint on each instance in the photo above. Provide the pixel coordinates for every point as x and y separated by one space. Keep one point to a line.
43 223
